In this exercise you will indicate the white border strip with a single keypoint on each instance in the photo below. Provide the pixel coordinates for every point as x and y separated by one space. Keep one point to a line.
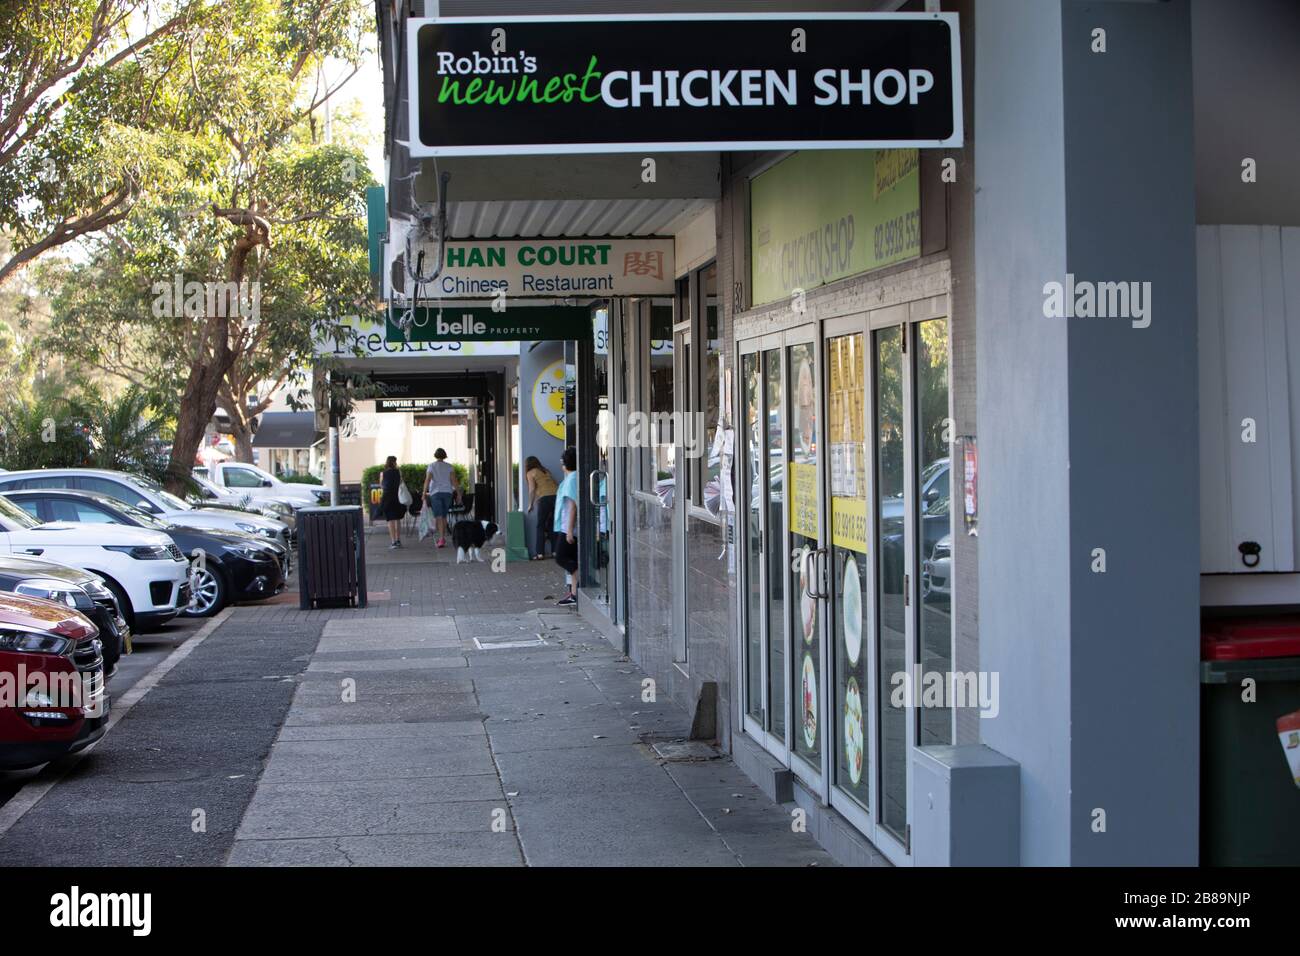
418 150
32 793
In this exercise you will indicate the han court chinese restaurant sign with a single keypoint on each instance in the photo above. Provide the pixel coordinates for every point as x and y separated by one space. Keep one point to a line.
554 268
642 82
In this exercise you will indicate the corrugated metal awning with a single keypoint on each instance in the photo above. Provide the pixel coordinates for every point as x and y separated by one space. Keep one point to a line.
570 218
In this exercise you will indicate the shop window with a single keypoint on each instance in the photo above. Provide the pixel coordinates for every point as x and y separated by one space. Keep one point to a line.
661 464
707 391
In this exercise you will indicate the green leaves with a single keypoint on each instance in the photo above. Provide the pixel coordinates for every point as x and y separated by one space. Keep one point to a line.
82 114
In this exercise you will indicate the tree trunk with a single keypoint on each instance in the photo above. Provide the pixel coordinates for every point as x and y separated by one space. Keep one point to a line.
198 402
243 444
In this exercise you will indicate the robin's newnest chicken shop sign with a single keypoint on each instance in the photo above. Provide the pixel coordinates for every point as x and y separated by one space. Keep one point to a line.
481 86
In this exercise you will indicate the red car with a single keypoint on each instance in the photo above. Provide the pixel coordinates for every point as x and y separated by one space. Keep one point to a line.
52 696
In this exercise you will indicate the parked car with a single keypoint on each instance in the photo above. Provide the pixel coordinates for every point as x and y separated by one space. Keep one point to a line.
209 495
145 570
147 495
934 486
80 590
51 664
235 566
936 573
936 524
242 477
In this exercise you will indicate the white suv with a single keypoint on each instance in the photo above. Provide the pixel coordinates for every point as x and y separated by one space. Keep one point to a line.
243 478
144 569
147 496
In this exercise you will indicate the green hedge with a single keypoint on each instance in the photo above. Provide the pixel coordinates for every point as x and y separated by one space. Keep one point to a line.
413 476
300 479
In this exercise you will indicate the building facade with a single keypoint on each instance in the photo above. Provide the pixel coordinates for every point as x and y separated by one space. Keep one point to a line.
900 488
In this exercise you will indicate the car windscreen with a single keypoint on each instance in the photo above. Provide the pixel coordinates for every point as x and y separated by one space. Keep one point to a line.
13 517
143 518
155 489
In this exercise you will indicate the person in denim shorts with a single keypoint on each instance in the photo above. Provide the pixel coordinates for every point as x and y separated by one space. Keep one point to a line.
439 487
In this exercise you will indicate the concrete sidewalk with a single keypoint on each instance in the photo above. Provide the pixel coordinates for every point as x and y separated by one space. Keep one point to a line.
506 733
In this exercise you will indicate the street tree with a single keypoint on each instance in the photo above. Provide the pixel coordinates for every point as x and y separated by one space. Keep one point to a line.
85 114
220 278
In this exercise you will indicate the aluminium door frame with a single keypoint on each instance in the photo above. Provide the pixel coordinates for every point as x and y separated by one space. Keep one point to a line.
863 819
778 747
682 490
813 777
744 485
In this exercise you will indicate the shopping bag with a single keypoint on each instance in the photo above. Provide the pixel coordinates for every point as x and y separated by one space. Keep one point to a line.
404 494
424 524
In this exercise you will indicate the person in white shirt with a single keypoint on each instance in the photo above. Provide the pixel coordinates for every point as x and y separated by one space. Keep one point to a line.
439 488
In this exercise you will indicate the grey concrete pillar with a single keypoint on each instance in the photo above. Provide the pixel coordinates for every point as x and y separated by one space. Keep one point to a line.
1088 425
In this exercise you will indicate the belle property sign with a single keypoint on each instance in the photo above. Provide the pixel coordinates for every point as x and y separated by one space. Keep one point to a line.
479 323
639 82
554 268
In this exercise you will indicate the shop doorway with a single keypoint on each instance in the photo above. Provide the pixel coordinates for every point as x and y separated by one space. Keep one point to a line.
600 401
846 555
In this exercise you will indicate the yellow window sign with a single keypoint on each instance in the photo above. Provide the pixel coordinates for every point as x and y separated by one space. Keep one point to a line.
849 523
802 479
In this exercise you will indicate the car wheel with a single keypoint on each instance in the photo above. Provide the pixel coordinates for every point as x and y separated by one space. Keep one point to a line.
208 593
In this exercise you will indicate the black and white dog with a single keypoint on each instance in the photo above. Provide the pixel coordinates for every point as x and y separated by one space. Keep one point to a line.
469 537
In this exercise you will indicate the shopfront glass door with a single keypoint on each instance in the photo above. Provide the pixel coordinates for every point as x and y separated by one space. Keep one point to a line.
804 568
932 487
766 569
846 448
892 583
752 492
847 557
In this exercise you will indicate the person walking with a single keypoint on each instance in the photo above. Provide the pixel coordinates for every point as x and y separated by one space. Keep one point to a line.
390 503
439 487
541 495
566 527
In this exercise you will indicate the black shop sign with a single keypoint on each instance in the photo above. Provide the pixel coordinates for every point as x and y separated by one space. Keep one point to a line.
634 83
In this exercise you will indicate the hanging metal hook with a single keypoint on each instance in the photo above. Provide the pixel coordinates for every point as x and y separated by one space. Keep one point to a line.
430 224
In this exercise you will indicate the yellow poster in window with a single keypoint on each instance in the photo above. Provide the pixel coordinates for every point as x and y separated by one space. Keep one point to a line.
802 479
849 523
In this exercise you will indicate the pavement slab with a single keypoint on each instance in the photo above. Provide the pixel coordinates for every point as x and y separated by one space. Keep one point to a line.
403 734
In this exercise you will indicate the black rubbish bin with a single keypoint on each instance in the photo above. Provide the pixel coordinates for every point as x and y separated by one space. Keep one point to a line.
1250 748
331 557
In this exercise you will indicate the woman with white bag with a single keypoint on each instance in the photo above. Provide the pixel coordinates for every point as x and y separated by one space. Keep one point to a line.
394 501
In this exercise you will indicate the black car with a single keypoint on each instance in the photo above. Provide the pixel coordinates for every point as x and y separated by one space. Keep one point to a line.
36 577
229 566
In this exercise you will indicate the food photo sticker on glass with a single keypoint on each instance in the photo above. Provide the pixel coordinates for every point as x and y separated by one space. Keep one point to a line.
854 738
851 610
807 603
809 702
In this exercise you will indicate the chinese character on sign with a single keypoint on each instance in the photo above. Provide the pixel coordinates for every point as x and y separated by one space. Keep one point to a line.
643 264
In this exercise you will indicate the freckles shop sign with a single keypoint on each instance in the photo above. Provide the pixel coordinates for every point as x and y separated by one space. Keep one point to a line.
639 83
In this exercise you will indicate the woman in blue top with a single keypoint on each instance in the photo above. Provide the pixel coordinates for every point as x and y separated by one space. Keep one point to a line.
566 527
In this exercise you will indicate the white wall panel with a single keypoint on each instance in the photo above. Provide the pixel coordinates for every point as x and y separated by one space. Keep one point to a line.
1249 328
